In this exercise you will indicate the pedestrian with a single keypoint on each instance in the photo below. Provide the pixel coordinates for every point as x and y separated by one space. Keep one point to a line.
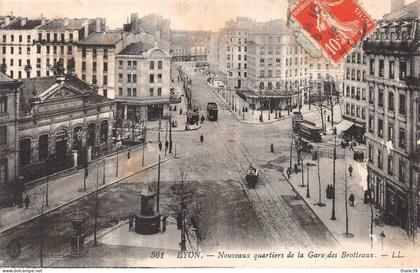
350 170
201 138
180 111
202 118
166 145
362 157
288 172
296 168
27 201
163 224
160 146
130 222
351 200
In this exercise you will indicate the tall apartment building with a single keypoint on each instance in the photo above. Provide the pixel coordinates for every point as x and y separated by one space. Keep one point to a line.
355 87
232 52
30 48
95 59
143 81
277 66
393 114
57 39
9 113
17 51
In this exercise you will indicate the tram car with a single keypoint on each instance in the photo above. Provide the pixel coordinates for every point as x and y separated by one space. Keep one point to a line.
309 131
212 111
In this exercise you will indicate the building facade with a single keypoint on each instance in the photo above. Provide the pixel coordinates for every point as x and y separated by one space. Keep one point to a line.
8 134
189 46
143 82
355 88
277 67
62 124
393 114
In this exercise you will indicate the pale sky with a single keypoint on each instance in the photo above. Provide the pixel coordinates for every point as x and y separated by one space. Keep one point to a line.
184 14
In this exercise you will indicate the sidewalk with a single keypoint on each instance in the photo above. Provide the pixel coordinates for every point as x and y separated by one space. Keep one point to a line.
71 188
359 216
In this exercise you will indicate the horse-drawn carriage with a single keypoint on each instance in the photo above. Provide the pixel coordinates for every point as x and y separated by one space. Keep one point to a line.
252 177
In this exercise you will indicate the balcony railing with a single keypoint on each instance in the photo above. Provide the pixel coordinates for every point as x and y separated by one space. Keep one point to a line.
378 46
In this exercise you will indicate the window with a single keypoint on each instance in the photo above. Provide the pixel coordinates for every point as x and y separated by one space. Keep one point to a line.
38 49
3 135
381 98
403 69
370 151
11 62
84 53
159 64
134 92
4 50
94 80
12 38
120 65
151 78
152 65
105 53
105 79
94 66
371 95
380 128
94 53
391 133
4 38
363 113
159 77
402 138
11 50
129 92
62 37
151 90
380 163
120 78
55 37
3 105
159 91
390 165
372 67
402 104
401 171
105 67
391 101
105 92
28 50
83 65
71 37
55 49
381 68
134 65
120 91
129 78
370 124
134 77
391 69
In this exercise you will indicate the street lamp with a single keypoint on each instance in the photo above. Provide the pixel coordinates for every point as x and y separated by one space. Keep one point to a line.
308 195
334 191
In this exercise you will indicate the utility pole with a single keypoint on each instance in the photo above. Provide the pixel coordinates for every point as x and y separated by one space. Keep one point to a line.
345 202
262 119
103 172
158 187
95 226
291 150
303 167
170 133
334 190
320 204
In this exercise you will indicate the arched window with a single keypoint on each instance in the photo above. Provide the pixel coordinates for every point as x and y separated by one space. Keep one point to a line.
25 152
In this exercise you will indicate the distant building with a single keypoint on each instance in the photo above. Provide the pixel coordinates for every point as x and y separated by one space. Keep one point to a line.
393 115
143 82
60 119
9 94
189 46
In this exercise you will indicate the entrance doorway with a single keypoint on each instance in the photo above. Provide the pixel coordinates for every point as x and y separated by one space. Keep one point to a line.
25 153
61 138
154 112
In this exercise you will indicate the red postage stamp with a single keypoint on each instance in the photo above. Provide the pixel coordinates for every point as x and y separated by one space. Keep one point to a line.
337 25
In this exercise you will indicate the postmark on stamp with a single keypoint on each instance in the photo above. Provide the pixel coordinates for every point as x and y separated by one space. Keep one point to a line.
336 25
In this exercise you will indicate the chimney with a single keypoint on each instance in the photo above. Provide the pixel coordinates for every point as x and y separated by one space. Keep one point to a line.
23 21
98 24
66 21
43 20
7 20
396 5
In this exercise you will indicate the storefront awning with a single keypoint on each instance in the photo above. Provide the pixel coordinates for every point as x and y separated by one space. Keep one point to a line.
343 125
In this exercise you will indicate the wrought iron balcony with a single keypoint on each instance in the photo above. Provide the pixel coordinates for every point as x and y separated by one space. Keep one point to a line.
383 47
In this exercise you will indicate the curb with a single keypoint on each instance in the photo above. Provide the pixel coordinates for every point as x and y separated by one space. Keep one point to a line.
307 204
87 194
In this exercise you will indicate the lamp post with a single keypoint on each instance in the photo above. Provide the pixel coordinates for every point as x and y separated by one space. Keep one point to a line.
334 191
308 195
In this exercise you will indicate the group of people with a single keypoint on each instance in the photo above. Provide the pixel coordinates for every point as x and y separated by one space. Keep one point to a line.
358 156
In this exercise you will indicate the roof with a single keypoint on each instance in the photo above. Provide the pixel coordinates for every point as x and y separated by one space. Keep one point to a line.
136 48
410 11
34 87
17 24
103 38
147 191
272 27
64 24
4 78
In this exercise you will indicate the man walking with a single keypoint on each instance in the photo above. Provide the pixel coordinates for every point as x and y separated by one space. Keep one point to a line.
350 170
160 146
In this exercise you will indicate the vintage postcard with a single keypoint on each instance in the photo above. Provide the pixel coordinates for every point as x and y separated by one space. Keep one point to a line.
209 133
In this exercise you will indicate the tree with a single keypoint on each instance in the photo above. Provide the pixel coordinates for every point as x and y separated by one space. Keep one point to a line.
183 197
326 101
